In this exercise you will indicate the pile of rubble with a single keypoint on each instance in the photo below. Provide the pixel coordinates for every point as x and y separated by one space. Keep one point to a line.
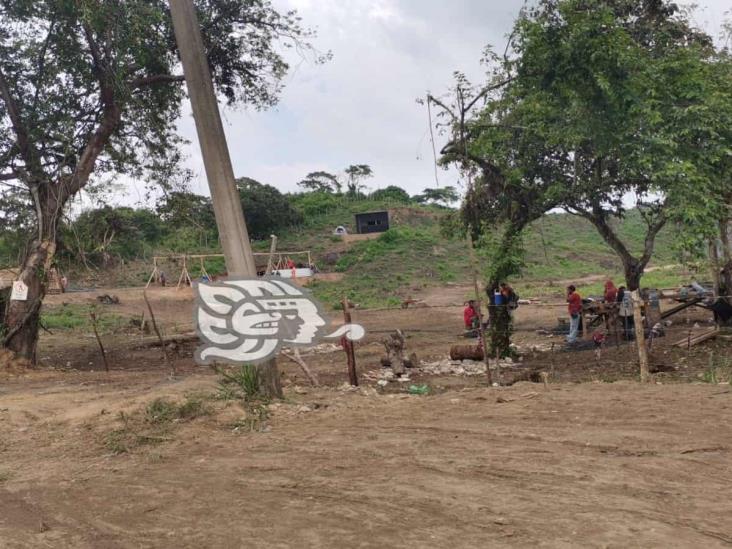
454 367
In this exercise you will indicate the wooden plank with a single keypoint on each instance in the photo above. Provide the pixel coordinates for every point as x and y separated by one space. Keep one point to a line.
697 339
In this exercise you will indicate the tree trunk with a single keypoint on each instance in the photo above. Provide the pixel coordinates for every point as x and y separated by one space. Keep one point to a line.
633 271
725 228
499 327
21 317
269 379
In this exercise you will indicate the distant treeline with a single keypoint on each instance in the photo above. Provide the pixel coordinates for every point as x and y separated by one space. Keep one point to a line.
183 221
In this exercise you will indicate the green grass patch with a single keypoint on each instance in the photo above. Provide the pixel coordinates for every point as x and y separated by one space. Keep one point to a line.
76 317
154 425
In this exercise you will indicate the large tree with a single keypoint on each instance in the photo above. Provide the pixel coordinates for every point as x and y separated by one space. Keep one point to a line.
589 107
703 207
321 182
610 85
93 88
441 196
356 174
266 209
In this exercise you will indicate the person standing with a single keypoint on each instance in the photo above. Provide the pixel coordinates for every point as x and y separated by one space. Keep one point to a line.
611 292
625 312
574 306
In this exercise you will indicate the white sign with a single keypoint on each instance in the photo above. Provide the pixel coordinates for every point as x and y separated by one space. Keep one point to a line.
20 291
248 320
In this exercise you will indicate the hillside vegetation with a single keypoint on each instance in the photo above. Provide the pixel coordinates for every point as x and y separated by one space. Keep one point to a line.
114 246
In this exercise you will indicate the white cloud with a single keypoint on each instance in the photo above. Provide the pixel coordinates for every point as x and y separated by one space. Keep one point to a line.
360 107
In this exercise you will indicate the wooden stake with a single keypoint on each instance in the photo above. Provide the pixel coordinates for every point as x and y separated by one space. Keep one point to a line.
297 359
168 362
348 347
272 249
639 336
93 316
481 333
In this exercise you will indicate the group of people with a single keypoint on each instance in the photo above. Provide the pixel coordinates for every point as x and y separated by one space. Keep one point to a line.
612 294
504 295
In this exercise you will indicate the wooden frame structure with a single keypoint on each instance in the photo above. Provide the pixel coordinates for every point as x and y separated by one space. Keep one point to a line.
275 261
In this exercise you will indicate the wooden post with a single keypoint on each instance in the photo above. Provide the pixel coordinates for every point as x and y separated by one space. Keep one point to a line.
272 249
217 161
640 336
297 359
481 334
154 272
586 334
168 363
348 347
93 316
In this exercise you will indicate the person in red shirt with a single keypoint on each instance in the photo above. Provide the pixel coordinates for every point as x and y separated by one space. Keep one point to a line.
574 306
611 292
470 316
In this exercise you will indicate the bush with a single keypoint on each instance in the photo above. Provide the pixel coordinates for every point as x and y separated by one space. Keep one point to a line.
391 193
265 208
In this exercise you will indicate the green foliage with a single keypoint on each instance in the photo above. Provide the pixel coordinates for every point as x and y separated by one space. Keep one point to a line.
315 204
161 410
322 182
380 272
391 193
16 225
579 119
240 383
356 175
443 196
155 424
189 221
127 86
103 235
266 209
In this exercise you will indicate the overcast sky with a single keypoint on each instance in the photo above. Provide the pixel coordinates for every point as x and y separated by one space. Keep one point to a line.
360 108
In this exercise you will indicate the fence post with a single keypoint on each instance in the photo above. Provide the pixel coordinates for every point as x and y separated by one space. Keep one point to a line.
640 336
481 332
348 347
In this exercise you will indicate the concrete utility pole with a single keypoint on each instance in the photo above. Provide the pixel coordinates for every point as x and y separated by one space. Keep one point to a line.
226 203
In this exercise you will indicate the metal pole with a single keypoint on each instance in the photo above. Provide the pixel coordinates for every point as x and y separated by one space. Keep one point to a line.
219 172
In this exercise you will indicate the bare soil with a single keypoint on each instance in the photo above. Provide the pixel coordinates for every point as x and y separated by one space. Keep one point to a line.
607 462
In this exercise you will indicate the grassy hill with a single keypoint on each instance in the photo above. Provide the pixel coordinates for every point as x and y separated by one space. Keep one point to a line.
414 255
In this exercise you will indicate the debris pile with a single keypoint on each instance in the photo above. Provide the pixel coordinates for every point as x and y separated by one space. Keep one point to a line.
454 367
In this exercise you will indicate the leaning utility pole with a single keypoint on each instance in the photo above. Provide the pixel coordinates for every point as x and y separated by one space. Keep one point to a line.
226 202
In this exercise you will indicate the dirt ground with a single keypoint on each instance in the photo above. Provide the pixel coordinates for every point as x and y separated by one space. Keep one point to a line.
603 463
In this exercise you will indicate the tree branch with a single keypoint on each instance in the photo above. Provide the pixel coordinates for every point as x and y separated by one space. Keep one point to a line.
27 150
599 219
650 239
8 176
155 79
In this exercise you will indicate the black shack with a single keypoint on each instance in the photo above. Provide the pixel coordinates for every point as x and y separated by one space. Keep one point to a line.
372 222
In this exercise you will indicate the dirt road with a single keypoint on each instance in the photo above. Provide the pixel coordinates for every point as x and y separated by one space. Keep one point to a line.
570 465
590 465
